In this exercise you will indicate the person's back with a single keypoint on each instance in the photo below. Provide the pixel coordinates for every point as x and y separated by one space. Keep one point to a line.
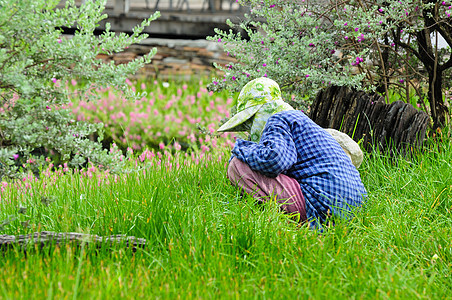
328 179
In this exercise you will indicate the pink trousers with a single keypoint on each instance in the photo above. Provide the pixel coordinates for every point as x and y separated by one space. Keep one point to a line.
285 189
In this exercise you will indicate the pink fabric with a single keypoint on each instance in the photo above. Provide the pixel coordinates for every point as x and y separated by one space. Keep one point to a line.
286 189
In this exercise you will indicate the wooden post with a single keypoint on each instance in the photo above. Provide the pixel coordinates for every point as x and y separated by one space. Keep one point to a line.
218 4
215 5
122 6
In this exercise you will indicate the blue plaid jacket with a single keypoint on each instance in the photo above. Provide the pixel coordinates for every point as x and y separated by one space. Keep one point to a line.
294 145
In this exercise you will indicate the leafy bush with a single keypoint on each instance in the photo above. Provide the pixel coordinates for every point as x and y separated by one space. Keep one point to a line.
308 45
36 62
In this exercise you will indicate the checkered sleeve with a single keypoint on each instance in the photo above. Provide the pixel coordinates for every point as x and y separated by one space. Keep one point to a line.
274 154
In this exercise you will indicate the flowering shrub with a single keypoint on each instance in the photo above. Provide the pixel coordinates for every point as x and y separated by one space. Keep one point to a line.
37 61
149 130
307 45
293 47
169 117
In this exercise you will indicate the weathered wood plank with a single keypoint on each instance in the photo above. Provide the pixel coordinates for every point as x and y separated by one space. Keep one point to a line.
44 238
367 117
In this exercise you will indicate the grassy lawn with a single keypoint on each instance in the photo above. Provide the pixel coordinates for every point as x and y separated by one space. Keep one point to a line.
204 240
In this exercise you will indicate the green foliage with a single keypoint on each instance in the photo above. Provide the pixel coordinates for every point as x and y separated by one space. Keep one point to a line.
36 62
308 45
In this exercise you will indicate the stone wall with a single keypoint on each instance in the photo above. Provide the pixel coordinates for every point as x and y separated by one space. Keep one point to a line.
175 58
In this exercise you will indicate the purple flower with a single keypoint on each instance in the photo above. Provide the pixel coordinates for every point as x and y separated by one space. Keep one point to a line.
219 40
361 38
59 41
264 64
346 37
401 81
234 78
273 5
16 156
54 80
311 45
358 60
215 82
345 24
307 75
356 29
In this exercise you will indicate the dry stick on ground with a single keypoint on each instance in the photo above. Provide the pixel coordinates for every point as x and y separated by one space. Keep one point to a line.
44 238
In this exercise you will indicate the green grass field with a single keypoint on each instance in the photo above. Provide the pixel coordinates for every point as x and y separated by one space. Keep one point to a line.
204 240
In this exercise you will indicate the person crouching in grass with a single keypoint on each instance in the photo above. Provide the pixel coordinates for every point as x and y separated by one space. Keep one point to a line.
290 158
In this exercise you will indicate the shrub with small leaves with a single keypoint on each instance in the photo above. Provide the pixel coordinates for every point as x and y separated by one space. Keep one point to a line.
37 61
289 42
307 45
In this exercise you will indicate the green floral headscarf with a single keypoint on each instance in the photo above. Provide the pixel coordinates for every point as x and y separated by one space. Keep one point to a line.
260 98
